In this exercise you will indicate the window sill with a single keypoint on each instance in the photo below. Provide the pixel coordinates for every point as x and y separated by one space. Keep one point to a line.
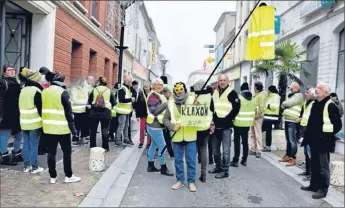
107 33
95 21
80 7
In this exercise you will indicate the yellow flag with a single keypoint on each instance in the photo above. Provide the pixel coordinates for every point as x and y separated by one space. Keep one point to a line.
260 41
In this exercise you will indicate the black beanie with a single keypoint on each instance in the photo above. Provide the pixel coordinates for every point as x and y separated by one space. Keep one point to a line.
165 79
244 86
273 89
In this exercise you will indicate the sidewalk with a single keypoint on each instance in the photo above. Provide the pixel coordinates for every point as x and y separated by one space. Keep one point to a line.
20 189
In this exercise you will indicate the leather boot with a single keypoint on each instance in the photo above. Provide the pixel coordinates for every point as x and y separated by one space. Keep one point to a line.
8 159
285 159
292 162
151 167
165 171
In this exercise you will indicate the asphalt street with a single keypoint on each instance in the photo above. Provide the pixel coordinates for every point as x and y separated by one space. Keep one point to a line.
258 184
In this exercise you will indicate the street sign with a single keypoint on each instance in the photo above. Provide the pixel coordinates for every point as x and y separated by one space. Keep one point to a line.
276 24
328 3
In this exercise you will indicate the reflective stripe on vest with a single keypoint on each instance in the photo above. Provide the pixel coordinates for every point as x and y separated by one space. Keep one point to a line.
206 100
187 134
29 117
245 118
293 112
81 97
327 125
53 113
260 41
105 91
150 117
306 113
222 106
124 108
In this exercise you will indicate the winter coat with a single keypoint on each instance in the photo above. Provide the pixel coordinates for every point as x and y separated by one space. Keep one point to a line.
260 101
339 105
140 107
10 105
293 100
156 106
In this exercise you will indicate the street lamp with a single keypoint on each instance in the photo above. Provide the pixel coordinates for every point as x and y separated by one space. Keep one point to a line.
164 62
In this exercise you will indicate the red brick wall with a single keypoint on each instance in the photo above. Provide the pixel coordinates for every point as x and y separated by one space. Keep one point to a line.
68 29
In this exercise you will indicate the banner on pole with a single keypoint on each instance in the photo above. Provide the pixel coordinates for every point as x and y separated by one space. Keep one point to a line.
194 115
153 58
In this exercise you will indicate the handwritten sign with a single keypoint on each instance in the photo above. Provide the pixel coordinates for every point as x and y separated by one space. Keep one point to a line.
194 115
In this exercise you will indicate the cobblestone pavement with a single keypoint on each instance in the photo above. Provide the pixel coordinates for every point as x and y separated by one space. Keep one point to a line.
20 189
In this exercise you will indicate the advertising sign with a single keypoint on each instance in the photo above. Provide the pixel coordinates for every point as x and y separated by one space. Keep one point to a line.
193 115
153 58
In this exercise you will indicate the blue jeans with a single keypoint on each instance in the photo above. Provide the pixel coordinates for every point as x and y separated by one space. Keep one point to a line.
4 135
223 138
180 150
17 141
30 147
157 140
291 139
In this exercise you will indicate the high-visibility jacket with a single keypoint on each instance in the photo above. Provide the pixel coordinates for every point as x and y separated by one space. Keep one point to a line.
273 101
306 113
125 108
293 112
260 40
105 91
187 134
29 117
53 112
205 99
222 106
150 117
245 118
78 108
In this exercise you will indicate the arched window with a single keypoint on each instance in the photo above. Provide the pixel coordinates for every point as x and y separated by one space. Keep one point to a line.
309 75
340 71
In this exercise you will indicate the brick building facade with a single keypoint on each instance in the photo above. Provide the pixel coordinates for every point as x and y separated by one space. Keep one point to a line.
84 41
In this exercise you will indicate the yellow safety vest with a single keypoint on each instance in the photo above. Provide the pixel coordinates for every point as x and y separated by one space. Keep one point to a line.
272 113
306 113
81 96
222 106
327 126
205 99
293 112
105 91
124 108
245 118
53 112
29 117
150 117
187 134
260 41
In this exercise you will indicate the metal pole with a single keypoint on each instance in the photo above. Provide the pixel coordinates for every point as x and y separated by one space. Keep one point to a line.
2 33
121 48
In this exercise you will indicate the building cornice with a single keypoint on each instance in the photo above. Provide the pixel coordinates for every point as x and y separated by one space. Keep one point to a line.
222 19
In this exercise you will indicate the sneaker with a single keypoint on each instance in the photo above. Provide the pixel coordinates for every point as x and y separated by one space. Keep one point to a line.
87 138
140 146
27 169
76 144
266 149
37 170
72 179
252 152
53 180
258 155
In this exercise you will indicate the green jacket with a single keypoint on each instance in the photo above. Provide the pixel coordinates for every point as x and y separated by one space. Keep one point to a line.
260 101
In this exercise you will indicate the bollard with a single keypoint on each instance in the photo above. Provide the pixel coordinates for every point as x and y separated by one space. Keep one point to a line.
337 173
96 161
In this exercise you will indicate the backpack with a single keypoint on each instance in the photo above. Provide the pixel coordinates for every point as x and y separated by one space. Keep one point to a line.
100 102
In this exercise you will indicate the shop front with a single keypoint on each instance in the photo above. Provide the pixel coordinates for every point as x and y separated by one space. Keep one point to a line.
140 73
127 64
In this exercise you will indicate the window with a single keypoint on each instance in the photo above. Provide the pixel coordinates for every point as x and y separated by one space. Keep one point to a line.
110 16
340 71
309 7
94 8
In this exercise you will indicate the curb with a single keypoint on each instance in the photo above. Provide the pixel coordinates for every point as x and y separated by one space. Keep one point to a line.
334 197
112 186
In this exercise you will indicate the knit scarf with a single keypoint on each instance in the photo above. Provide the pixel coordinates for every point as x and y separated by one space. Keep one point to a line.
180 99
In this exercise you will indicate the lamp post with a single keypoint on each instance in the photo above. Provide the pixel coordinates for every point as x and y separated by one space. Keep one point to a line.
164 62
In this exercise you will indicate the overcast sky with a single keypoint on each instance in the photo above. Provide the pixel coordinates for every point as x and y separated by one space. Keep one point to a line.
183 27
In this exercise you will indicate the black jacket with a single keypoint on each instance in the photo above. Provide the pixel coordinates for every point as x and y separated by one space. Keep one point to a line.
140 107
227 122
101 112
10 105
314 136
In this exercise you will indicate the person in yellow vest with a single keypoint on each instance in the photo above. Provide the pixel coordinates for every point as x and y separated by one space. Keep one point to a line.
303 119
243 121
102 102
271 116
167 92
30 106
225 105
58 124
256 129
156 106
184 138
292 109
124 107
89 83
79 99
203 132
114 121
323 123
